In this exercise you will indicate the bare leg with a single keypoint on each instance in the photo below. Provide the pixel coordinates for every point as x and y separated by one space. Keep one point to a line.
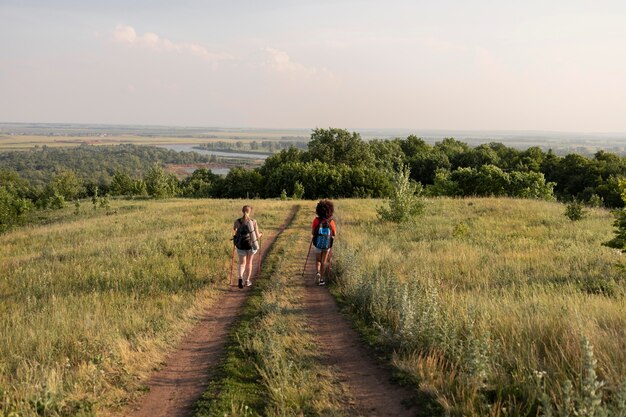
318 260
242 266
249 266
323 258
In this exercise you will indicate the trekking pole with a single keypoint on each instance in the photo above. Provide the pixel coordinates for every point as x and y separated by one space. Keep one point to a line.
232 262
258 270
330 263
307 257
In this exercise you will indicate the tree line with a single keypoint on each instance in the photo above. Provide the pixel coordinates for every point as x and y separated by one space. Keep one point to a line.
336 163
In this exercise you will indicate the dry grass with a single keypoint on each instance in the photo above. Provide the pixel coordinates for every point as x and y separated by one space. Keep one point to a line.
90 304
479 294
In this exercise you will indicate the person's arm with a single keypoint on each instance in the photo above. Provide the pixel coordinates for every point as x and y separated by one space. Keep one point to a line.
314 226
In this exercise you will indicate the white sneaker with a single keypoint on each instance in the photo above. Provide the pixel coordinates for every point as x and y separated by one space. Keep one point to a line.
318 277
248 283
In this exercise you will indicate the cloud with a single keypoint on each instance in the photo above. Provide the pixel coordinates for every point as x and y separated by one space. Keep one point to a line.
128 35
280 61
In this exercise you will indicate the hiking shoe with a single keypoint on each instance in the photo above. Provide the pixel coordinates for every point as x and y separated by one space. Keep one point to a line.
248 283
240 283
322 283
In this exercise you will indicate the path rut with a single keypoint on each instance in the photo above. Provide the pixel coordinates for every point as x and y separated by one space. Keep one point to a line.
368 382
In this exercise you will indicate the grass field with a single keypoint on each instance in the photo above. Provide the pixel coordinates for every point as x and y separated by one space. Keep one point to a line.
487 303
90 304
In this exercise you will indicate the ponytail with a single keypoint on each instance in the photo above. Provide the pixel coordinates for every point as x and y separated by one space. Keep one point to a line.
246 213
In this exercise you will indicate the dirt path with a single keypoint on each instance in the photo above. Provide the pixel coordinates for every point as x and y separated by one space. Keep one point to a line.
188 371
368 383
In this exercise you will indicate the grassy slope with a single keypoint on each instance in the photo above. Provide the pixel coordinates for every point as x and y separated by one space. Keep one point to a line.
91 303
481 293
475 298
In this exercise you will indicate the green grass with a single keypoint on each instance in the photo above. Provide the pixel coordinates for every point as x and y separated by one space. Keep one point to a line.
479 295
90 304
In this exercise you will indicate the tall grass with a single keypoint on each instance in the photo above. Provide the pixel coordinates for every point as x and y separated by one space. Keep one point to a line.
485 301
90 304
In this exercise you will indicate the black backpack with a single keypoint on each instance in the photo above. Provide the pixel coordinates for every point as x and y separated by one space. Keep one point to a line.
243 236
323 238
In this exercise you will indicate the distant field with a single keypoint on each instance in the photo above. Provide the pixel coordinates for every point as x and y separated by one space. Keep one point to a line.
16 142
59 134
91 302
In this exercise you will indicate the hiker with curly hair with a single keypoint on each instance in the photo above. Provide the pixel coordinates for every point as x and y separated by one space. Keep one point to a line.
324 231
246 238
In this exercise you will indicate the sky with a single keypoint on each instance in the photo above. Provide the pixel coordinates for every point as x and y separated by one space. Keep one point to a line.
556 65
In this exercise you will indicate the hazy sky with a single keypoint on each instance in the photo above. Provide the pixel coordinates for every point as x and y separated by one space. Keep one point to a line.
555 65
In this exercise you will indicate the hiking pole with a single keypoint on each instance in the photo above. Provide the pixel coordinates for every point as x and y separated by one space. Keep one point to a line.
307 257
330 263
258 270
232 262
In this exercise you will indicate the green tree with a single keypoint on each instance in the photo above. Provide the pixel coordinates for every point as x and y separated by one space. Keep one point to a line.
242 183
121 184
619 241
159 184
443 185
338 146
201 184
13 208
68 185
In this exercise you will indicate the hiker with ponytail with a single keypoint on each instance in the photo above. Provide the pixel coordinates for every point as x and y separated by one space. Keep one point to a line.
246 238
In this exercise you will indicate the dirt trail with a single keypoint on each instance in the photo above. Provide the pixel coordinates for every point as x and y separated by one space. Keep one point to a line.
188 370
368 383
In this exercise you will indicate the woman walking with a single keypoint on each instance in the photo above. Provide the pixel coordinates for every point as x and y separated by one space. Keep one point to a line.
246 239
324 230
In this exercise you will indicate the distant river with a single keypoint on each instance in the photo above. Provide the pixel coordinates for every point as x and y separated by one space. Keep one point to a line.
190 148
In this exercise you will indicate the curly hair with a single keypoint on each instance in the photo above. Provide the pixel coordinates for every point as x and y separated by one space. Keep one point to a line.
325 209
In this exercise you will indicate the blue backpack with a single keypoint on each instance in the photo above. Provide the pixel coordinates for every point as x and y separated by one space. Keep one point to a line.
323 238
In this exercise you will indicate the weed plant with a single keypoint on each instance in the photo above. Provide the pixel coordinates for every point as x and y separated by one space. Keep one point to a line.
90 304
482 295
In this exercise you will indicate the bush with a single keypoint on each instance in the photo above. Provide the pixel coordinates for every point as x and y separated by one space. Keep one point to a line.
13 209
298 191
405 202
575 211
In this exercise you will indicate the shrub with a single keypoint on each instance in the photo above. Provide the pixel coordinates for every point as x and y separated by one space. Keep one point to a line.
405 202
575 211
298 191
